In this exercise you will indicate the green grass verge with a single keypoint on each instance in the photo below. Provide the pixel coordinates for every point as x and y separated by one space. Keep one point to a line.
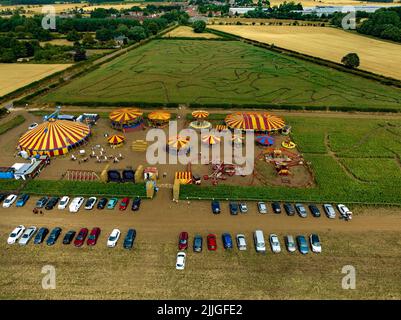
15 122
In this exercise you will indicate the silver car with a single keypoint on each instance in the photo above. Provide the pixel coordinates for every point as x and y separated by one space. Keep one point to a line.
262 207
290 243
329 210
301 210
27 235
241 242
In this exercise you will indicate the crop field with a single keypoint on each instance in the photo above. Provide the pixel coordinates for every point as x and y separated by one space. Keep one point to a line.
193 71
354 160
377 56
14 76
184 31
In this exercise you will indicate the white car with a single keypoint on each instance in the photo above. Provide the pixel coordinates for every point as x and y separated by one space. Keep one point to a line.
344 211
63 203
75 204
241 242
28 234
90 203
180 264
32 126
290 243
9 201
113 238
15 234
329 210
315 243
275 243
262 207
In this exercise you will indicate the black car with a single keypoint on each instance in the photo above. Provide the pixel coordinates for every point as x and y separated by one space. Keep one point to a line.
113 176
216 207
2 196
314 210
51 203
289 209
102 203
276 207
41 235
198 243
53 236
233 208
128 176
136 204
69 236
129 239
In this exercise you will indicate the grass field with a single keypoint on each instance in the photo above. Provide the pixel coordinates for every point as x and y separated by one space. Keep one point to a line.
184 31
193 71
377 56
14 122
14 76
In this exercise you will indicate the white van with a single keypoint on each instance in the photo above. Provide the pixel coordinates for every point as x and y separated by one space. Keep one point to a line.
259 239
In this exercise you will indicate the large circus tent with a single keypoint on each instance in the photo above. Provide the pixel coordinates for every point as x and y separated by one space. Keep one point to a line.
256 121
126 118
54 137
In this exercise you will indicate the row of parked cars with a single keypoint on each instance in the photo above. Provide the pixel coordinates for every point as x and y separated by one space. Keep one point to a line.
300 243
290 209
22 236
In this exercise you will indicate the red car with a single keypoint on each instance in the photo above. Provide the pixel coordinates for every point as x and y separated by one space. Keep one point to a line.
211 242
80 239
94 235
183 241
124 203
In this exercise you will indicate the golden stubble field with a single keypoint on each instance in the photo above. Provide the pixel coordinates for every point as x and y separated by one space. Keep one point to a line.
14 75
184 31
377 56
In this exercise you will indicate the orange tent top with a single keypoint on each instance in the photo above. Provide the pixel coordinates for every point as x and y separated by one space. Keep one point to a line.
116 139
257 121
210 139
159 115
200 114
178 142
125 115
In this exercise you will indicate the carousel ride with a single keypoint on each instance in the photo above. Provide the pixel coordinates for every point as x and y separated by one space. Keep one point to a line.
281 159
126 119
200 120
159 119
178 144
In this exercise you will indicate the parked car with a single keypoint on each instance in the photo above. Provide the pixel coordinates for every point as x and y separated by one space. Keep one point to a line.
183 241
241 242
289 209
2 197
315 243
63 203
290 243
32 126
75 204
136 204
41 202
9 200
211 242
93 236
129 239
198 241
41 235
227 241
69 236
90 203
302 245
314 210
259 240
276 207
233 208
124 203
80 239
112 203
27 235
52 203
301 210
15 234
54 234
22 199
344 212
329 210
243 208
216 207
180 263
113 238
275 243
102 203
262 207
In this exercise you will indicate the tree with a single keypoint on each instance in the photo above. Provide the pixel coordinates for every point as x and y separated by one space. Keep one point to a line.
80 53
137 34
104 34
153 27
199 26
73 36
351 60
88 40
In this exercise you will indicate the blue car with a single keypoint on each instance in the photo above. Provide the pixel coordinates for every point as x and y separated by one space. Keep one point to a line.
53 236
302 245
198 243
41 235
136 204
234 208
216 207
227 241
129 239
23 198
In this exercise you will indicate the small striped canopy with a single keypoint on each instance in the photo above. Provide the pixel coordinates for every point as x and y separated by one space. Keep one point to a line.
210 139
116 139
159 115
184 177
221 127
257 121
178 143
264 140
237 139
125 115
54 137
200 114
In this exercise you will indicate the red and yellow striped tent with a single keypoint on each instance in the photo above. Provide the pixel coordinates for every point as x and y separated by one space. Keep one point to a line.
159 118
257 121
221 127
210 139
125 115
200 114
116 139
178 143
54 137
184 177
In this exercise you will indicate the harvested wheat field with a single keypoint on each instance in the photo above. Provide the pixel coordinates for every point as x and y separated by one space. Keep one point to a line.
58 42
376 56
184 31
14 76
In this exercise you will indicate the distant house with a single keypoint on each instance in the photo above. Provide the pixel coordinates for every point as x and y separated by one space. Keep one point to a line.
121 40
